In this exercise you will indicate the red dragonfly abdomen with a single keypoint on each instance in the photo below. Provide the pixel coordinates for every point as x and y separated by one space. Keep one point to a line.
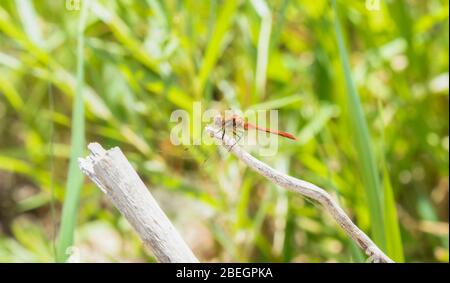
267 130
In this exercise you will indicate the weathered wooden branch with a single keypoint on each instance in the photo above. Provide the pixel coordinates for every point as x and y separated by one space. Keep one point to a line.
306 189
114 175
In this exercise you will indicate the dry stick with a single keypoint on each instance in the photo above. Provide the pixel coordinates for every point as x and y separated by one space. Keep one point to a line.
114 175
306 189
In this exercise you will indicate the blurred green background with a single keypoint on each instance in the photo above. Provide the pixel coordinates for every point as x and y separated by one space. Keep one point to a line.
364 86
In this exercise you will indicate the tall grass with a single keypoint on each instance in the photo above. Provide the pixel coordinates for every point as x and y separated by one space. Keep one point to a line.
149 58
75 177
263 46
381 209
360 136
394 246
215 46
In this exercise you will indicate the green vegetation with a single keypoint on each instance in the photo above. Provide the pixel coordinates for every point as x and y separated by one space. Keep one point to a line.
365 91
75 178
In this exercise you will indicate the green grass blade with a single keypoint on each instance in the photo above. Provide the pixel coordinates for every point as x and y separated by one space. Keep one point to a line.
75 177
124 35
394 247
315 125
263 46
279 103
214 47
10 93
370 174
29 20
357 254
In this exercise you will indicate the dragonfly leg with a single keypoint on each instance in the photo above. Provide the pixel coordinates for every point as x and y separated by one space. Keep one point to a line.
239 138
224 127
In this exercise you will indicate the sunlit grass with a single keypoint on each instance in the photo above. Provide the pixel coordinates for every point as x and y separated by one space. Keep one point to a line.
144 59
74 176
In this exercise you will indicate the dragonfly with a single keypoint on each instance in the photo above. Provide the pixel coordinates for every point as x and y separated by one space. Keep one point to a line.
237 123
237 126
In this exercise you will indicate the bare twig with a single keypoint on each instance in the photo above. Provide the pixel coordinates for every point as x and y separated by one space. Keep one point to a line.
306 189
114 175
